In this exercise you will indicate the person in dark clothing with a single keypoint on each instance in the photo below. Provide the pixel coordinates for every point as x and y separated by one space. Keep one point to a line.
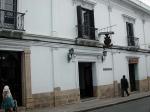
124 86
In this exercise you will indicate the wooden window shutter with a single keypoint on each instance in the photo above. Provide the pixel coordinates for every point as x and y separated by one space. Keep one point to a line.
11 5
15 5
132 32
10 17
130 29
127 25
79 19
92 24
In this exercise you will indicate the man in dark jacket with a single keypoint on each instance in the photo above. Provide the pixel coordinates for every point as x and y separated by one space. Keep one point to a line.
124 86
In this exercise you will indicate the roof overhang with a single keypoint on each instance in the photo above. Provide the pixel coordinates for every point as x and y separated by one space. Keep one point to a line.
139 5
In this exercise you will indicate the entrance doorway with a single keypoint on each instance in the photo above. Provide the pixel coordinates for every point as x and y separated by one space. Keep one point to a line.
10 74
133 77
85 80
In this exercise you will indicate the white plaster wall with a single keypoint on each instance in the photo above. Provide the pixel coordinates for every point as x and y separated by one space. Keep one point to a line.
99 72
138 31
37 16
64 19
142 68
64 72
120 66
119 28
101 15
106 77
147 32
148 65
94 74
41 69
64 22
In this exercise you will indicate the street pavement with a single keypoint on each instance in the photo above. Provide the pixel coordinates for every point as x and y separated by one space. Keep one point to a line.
140 105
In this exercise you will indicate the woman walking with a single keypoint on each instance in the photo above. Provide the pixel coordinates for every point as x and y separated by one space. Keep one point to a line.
8 102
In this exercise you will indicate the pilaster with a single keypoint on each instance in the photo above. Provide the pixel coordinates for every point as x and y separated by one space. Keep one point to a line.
27 79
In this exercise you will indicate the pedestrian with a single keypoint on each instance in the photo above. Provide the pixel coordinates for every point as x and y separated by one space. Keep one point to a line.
8 102
124 86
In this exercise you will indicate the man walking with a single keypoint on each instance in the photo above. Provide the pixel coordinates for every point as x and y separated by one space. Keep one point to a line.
124 86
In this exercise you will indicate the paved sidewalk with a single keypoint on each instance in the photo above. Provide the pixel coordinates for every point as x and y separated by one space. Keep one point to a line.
93 104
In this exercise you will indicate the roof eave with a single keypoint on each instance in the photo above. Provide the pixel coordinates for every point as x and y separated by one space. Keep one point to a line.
138 4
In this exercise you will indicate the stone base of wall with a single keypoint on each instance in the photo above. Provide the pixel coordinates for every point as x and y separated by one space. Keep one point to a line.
148 82
114 90
56 98
43 100
29 103
66 97
143 85
105 91
117 89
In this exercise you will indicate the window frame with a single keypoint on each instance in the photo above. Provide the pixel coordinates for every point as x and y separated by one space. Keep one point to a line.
90 27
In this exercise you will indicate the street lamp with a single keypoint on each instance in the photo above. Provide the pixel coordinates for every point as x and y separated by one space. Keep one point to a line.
104 55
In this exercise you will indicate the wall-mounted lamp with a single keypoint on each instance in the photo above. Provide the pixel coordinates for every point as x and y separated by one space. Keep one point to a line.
104 55
70 54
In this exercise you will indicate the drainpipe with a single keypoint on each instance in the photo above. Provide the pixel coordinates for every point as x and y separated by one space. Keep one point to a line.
51 33
143 21
113 72
109 19
109 10
53 75
52 53
147 71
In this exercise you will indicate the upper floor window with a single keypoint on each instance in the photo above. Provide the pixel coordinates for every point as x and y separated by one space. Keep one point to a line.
132 40
9 17
86 27
9 7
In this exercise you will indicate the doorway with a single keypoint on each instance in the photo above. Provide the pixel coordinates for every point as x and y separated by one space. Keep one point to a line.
85 80
132 76
10 74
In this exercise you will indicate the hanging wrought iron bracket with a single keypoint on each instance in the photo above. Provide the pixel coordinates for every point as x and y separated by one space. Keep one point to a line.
107 39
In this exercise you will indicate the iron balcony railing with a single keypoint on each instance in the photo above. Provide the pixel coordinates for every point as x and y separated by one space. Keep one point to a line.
11 20
85 31
133 41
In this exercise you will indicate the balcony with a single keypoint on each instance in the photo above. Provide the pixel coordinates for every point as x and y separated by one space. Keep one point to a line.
11 21
87 35
133 43
87 32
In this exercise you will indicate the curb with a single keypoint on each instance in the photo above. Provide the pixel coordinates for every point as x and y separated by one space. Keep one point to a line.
111 104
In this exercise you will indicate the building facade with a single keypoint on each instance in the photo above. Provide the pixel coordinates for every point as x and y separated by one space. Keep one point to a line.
56 52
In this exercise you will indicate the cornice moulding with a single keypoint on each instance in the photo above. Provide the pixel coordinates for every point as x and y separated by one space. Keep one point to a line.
139 5
90 2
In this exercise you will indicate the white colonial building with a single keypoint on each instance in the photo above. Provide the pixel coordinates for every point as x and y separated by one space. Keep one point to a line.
55 52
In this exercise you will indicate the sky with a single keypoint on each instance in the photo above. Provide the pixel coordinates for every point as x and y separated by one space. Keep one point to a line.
146 1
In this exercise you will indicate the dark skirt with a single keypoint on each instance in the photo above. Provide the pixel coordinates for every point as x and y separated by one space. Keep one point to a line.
7 103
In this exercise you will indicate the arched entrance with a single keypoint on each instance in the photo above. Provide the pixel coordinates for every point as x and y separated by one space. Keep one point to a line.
10 73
